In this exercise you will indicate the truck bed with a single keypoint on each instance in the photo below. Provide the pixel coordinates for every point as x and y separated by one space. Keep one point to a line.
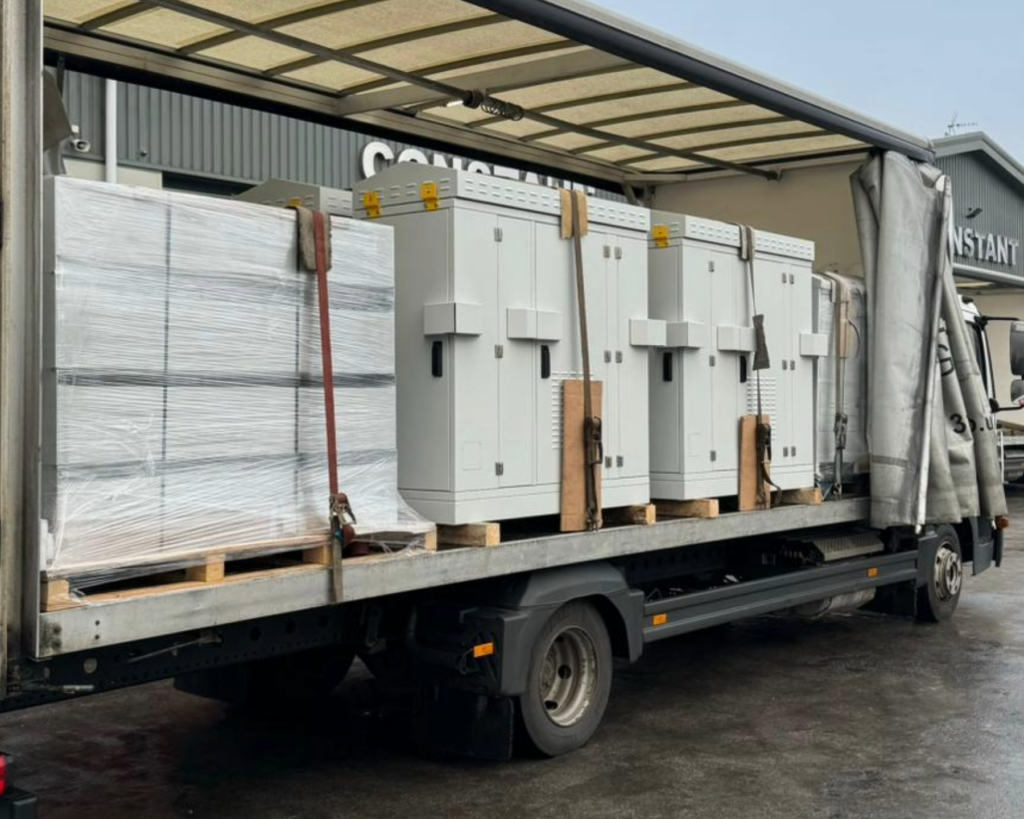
120 617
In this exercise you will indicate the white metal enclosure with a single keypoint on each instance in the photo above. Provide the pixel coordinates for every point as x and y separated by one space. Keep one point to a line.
841 376
702 382
281 193
487 330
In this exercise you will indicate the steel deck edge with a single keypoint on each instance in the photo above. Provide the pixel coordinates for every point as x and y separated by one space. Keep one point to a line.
121 621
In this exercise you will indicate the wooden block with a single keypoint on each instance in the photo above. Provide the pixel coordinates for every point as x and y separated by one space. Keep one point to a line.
643 514
802 497
581 198
56 595
320 555
430 541
470 534
212 571
574 487
750 473
699 508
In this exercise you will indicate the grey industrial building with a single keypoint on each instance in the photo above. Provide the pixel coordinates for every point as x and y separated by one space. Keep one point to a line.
171 140
988 224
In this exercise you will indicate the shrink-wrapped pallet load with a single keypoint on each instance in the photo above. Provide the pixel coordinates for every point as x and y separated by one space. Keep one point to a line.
183 391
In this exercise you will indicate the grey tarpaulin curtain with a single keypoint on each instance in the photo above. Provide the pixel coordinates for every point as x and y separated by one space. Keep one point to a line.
931 434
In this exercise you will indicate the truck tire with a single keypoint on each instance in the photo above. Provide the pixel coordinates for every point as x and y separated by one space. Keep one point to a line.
570 680
937 599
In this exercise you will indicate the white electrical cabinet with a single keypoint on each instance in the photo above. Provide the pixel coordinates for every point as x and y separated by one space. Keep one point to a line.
702 381
487 329
840 315
280 193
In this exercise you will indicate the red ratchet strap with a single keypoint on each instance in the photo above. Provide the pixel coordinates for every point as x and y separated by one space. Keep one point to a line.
326 356
341 514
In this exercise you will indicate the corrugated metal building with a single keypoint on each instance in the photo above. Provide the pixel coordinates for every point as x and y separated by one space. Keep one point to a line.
988 219
988 209
166 139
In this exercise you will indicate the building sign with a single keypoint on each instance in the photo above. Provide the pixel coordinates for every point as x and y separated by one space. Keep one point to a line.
985 247
379 155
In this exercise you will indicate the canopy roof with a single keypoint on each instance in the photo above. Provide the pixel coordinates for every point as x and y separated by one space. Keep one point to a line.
555 83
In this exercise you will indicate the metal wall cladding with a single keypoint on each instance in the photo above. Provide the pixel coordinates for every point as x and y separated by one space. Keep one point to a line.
167 131
83 96
184 134
177 133
978 184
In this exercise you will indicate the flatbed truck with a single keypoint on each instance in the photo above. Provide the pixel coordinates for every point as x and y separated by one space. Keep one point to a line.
505 642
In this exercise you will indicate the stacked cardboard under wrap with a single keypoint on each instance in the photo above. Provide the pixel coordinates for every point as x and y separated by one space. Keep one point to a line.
183 397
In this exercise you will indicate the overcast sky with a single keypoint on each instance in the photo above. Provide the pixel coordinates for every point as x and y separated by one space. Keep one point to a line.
911 63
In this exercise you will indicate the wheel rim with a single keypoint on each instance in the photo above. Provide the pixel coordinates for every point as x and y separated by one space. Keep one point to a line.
568 676
948 575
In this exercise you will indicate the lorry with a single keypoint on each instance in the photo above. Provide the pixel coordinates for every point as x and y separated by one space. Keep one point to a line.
1011 436
503 642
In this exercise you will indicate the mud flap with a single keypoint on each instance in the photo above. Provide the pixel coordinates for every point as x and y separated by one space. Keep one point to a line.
465 723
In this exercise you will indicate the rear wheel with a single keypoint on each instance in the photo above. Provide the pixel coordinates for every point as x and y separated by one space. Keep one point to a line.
570 680
937 599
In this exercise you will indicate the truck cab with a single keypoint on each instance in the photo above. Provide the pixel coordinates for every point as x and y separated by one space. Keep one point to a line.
1011 436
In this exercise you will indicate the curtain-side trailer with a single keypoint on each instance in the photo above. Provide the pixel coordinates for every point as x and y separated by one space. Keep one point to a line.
513 639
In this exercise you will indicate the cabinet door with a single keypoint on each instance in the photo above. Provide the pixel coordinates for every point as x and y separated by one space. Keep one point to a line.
774 302
803 376
517 427
695 362
474 428
595 268
423 275
729 308
556 292
666 383
632 401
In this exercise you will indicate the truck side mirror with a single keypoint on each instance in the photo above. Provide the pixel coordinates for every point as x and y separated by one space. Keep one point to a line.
1017 393
1017 348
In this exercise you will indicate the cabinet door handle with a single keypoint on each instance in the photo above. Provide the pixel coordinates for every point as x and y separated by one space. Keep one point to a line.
666 367
743 369
545 361
437 359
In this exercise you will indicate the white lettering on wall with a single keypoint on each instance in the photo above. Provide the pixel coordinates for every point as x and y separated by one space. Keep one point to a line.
413 155
985 247
373 152
378 155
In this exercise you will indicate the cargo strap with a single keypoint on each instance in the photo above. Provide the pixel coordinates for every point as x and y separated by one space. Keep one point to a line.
593 448
748 244
315 256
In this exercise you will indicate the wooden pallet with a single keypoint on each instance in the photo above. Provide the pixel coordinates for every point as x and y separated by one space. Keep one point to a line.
811 496
712 507
643 514
491 533
698 508
85 587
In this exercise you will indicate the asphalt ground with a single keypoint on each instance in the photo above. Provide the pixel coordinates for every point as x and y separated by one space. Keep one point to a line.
853 715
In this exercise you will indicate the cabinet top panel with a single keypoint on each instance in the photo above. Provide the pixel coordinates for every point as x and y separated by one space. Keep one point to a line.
403 185
681 226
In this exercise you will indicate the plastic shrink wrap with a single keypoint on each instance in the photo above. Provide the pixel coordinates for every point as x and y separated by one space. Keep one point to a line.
183 391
